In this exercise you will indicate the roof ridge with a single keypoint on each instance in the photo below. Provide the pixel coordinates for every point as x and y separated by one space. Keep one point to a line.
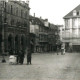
71 11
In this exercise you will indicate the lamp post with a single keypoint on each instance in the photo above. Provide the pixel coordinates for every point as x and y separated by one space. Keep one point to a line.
3 58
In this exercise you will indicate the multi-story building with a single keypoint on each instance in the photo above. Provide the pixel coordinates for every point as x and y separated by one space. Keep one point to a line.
71 34
39 28
44 36
60 30
54 36
14 25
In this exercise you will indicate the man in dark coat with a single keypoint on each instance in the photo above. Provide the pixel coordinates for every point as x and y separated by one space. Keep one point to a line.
21 57
29 56
17 53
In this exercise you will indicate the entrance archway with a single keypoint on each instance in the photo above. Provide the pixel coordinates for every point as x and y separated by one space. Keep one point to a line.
22 42
16 42
10 46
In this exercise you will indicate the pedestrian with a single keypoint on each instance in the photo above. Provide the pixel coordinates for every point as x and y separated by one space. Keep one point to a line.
10 52
21 60
17 56
62 50
29 56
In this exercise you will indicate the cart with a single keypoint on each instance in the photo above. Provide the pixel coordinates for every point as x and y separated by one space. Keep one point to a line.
12 59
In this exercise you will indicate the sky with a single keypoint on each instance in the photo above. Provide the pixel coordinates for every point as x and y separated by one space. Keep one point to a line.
53 10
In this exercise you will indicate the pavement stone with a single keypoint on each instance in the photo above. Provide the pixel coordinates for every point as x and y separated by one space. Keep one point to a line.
47 66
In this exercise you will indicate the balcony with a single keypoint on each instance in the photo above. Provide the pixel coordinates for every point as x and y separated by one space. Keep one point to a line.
45 33
68 35
43 41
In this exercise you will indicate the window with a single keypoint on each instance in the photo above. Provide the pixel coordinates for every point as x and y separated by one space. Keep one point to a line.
21 13
74 13
5 6
75 32
79 22
77 12
39 37
26 14
74 22
11 9
67 23
17 11
14 10
79 33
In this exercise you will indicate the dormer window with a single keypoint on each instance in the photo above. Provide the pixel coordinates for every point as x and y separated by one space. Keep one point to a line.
74 13
77 13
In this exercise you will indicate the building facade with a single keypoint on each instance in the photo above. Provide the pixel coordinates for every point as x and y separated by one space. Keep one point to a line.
15 22
44 36
55 37
39 28
71 34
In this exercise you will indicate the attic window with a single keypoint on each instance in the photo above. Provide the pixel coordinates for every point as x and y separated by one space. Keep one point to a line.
74 13
77 12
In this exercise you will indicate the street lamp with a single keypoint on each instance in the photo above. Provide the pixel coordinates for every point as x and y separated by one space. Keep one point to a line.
3 58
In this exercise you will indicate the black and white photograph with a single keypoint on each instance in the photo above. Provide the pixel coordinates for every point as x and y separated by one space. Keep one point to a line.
39 39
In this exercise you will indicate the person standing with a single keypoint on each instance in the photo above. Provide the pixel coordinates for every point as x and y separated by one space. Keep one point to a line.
29 56
62 50
21 60
17 54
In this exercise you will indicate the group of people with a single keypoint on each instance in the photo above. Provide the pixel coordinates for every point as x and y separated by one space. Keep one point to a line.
62 50
20 56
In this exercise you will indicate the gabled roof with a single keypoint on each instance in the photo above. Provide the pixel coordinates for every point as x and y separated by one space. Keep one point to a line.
70 14
52 26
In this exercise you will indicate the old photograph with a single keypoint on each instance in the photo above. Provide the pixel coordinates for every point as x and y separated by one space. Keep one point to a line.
39 39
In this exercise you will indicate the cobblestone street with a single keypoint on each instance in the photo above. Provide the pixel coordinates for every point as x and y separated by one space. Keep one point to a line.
44 67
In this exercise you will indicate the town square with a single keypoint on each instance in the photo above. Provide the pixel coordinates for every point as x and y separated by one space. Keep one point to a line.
39 40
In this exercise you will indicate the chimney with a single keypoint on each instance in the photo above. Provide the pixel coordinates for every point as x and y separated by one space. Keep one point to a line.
46 19
27 1
34 14
40 17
